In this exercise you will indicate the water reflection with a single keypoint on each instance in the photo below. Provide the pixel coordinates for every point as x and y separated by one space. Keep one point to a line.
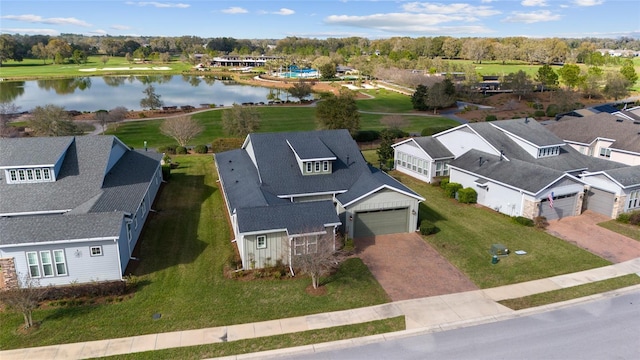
107 92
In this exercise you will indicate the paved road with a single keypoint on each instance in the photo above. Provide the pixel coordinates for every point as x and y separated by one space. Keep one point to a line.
608 328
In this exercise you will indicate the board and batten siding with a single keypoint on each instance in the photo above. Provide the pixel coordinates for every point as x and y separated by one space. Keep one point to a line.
383 199
81 266
277 249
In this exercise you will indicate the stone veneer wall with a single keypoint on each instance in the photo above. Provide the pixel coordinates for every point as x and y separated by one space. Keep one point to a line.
618 206
8 274
530 209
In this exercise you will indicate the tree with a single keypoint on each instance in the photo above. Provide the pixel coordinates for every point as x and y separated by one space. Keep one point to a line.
52 120
520 83
441 95
39 50
181 128
6 110
338 112
419 98
629 72
592 82
570 75
7 48
616 86
240 120
385 151
315 255
547 77
152 100
25 298
300 90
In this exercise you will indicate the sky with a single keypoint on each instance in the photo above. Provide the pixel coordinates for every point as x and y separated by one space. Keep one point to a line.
321 19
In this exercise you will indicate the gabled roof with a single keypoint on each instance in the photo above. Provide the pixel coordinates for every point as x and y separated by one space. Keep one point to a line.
587 129
369 183
295 218
530 131
35 151
518 174
431 146
627 177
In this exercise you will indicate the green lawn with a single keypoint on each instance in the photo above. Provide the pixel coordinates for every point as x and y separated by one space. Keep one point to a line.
184 248
466 233
627 230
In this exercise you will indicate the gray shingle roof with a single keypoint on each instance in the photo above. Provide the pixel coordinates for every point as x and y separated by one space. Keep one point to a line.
519 174
627 177
433 147
32 151
297 218
43 228
529 130
310 148
586 129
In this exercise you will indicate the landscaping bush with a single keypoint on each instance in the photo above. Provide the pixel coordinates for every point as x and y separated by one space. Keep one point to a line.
366 136
523 221
467 196
540 222
225 144
451 189
397 133
93 289
553 110
166 171
443 182
634 219
539 113
181 150
427 227
201 149
169 149
490 118
624 218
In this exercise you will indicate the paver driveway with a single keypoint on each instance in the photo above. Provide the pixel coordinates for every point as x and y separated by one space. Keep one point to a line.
408 268
583 231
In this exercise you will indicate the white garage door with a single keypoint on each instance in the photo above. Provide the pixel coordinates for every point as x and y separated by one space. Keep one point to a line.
563 206
380 222
600 201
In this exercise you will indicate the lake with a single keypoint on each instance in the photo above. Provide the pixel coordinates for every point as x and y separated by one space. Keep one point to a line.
108 92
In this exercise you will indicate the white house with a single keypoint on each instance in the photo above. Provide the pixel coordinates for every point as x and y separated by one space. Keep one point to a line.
72 208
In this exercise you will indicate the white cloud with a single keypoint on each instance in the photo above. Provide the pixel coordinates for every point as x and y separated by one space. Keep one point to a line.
49 32
52 21
588 2
455 8
235 10
120 27
99 32
284 11
158 4
532 17
534 3
407 23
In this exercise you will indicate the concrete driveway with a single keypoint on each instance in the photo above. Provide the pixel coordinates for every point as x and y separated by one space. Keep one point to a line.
584 232
407 267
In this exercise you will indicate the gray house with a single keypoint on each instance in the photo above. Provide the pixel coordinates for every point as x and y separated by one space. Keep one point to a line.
284 191
72 208
519 168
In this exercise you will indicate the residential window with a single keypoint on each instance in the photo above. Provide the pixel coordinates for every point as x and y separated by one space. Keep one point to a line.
634 199
38 173
143 206
47 264
13 174
325 166
442 169
29 175
95 250
309 167
317 166
605 152
46 174
135 222
32 262
305 245
59 260
129 231
21 175
261 241
548 151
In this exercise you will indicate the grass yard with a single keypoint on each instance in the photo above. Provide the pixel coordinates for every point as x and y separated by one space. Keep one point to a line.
271 342
627 230
466 233
183 250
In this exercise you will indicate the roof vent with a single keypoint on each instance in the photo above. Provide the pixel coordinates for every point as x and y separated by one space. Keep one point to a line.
619 120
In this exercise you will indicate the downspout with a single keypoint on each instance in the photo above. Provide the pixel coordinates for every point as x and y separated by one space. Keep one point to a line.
290 257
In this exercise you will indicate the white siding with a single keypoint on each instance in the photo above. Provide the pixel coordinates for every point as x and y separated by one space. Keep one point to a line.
625 158
462 140
602 182
409 148
495 196
532 150
81 266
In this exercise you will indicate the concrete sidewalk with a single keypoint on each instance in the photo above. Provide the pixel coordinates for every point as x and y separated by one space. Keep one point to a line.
434 313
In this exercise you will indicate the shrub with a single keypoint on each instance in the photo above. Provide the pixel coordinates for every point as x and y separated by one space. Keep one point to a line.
523 220
467 196
181 150
443 182
634 219
553 110
624 218
201 149
397 133
166 171
170 149
366 136
451 189
92 289
224 144
490 117
427 227
540 222
539 113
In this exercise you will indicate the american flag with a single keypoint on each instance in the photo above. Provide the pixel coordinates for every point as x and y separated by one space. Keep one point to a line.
550 197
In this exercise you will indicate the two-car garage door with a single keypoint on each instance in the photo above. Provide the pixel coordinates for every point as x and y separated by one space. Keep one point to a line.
563 206
380 222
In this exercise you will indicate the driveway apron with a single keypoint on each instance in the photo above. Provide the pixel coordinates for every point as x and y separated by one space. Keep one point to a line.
408 267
